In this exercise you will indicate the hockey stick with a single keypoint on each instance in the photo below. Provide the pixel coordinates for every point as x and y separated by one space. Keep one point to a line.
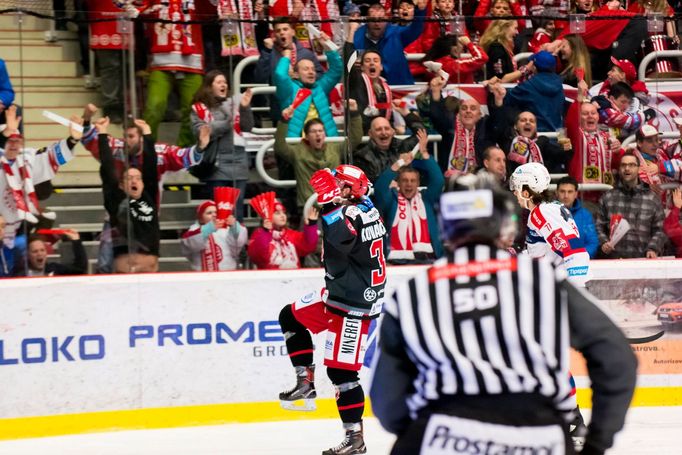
646 339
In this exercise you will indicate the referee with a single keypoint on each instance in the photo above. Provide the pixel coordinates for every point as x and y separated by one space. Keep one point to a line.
475 350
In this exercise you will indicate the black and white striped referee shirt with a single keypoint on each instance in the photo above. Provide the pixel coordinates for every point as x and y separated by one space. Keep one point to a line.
487 323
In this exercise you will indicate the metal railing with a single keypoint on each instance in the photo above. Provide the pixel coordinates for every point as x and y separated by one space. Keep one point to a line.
665 135
641 71
267 146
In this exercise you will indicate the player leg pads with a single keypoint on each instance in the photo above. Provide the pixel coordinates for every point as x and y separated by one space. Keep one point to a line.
350 398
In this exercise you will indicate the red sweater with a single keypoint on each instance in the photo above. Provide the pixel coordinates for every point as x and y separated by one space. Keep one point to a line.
269 253
462 70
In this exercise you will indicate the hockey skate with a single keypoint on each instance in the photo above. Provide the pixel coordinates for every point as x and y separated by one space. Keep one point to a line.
302 396
578 431
353 442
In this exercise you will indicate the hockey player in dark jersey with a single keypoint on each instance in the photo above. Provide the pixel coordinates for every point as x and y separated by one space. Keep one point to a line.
474 351
355 274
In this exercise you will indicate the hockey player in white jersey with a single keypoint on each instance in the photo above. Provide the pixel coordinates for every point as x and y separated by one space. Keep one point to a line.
552 232
551 229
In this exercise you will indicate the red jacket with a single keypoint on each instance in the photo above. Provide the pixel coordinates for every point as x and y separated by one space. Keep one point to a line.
270 253
462 70
673 229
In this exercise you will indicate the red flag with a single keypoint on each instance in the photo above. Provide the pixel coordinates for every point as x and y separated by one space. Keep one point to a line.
301 95
264 205
225 198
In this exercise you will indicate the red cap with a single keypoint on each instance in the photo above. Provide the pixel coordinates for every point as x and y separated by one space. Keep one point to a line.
279 207
203 207
627 67
15 135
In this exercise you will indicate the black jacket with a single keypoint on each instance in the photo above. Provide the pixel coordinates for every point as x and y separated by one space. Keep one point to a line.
444 122
374 161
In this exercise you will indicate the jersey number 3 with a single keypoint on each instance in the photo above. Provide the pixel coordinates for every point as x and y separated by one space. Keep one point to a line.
376 250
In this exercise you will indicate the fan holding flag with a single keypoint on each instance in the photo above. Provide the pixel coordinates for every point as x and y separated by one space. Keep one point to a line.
307 94
214 242
275 245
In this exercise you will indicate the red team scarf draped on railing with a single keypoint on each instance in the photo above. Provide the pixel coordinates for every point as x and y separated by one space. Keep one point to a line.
462 154
240 38
410 230
524 150
21 185
374 106
596 158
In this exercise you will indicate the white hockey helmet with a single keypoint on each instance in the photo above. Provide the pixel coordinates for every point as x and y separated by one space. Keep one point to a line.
533 175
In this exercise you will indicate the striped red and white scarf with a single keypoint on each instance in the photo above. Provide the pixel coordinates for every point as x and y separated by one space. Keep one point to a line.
596 157
410 230
524 150
374 106
20 183
462 157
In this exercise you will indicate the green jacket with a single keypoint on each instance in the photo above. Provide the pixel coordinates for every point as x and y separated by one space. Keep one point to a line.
306 161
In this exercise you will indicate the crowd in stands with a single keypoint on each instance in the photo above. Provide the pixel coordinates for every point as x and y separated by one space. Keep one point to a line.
580 83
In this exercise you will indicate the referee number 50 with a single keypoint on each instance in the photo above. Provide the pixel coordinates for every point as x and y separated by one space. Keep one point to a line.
479 298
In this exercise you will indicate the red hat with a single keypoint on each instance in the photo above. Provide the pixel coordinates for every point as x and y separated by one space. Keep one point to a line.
279 207
627 67
15 135
203 207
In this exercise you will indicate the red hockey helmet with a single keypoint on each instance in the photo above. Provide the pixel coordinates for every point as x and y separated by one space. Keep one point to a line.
354 177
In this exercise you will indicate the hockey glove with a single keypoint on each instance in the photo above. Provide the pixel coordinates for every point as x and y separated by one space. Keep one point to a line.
324 184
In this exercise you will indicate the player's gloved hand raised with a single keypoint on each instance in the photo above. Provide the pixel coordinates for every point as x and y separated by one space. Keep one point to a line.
324 184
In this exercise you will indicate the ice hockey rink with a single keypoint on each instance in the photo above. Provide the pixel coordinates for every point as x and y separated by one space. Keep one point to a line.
649 430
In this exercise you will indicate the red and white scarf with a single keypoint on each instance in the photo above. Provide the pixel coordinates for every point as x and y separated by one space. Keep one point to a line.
524 150
462 156
238 39
206 116
20 183
211 256
596 158
374 106
410 230
283 253
649 174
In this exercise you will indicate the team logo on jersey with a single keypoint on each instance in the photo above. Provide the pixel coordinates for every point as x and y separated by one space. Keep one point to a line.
370 295
352 211
558 242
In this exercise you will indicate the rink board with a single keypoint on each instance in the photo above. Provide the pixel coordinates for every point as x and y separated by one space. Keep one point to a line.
93 353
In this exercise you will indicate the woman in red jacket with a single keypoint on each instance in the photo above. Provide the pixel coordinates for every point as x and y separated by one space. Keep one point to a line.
275 246
447 51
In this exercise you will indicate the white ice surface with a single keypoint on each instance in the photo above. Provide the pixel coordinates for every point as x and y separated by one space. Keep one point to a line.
648 430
